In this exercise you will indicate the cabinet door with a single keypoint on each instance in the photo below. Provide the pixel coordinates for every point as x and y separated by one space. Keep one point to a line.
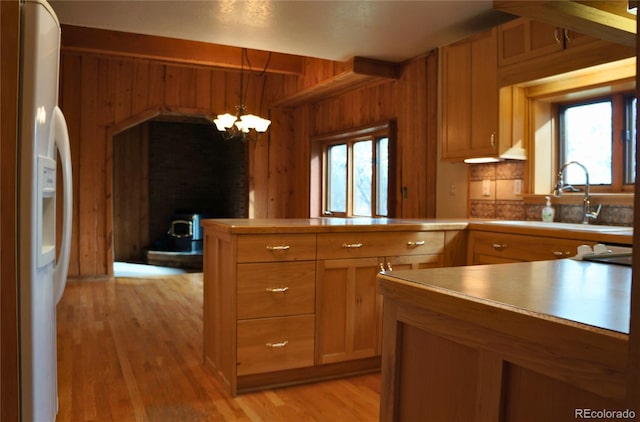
470 97
456 105
484 94
523 39
348 310
411 262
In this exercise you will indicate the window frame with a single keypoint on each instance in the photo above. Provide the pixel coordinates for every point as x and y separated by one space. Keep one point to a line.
374 133
619 144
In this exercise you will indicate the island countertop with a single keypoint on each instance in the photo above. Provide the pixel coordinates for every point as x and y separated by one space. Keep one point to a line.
568 291
596 233
512 337
316 225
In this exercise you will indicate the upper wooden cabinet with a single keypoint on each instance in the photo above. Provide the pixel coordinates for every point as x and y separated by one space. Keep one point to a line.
525 39
479 120
470 97
530 49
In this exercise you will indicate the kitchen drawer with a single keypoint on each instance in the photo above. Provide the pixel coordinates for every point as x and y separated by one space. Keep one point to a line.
515 247
276 289
274 344
276 247
360 245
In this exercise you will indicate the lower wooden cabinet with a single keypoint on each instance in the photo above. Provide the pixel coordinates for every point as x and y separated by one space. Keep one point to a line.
275 344
498 248
349 310
289 307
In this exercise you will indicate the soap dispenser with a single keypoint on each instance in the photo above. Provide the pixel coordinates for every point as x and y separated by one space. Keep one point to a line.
548 213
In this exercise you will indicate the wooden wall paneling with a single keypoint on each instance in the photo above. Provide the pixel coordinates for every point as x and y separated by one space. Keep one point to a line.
115 93
413 137
9 336
203 89
140 79
91 159
188 87
432 134
281 186
157 77
130 193
172 86
218 92
123 91
114 102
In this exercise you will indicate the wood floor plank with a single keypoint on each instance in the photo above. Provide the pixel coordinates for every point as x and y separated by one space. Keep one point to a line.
130 349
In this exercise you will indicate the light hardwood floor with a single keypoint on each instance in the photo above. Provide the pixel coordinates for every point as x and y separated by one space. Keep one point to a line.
130 349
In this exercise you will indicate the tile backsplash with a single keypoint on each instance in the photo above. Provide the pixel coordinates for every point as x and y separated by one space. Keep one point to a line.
495 192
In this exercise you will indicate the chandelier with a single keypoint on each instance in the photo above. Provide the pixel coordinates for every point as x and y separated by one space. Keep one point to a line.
242 125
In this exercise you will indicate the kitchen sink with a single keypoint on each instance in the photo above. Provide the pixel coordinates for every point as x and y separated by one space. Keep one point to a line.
562 226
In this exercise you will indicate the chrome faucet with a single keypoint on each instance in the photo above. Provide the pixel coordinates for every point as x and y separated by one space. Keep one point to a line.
560 186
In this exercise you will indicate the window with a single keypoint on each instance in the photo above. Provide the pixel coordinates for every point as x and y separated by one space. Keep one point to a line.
356 173
599 134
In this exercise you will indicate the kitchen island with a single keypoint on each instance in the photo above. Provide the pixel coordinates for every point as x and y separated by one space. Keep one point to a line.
515 342
293 300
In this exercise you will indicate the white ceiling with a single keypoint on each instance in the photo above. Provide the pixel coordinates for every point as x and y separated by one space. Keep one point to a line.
333 30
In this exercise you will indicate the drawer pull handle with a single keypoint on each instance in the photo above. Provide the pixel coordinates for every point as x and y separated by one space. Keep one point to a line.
498 246
352 245
560 253
277 345
277 289
416 243
382 269
278 248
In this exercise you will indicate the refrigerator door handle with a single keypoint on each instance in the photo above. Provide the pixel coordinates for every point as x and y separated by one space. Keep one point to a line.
60 136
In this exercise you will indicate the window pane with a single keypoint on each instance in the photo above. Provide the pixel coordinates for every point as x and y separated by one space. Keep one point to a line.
587 139
631 132
337 178
362 178
382 177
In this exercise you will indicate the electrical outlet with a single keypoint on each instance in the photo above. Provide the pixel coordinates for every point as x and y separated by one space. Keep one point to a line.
517 187
486 187
452 190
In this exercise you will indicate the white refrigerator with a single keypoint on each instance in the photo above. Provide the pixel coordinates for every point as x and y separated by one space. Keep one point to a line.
42 270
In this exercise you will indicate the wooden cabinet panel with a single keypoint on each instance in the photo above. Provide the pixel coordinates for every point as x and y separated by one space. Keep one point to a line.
523 39
484 94
492 248
349 310
470 97
356 245
273 344
276 289
412 262
456 104
276 247
529 50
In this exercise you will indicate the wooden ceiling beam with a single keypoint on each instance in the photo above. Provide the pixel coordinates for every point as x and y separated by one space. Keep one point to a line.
601 19
102 41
